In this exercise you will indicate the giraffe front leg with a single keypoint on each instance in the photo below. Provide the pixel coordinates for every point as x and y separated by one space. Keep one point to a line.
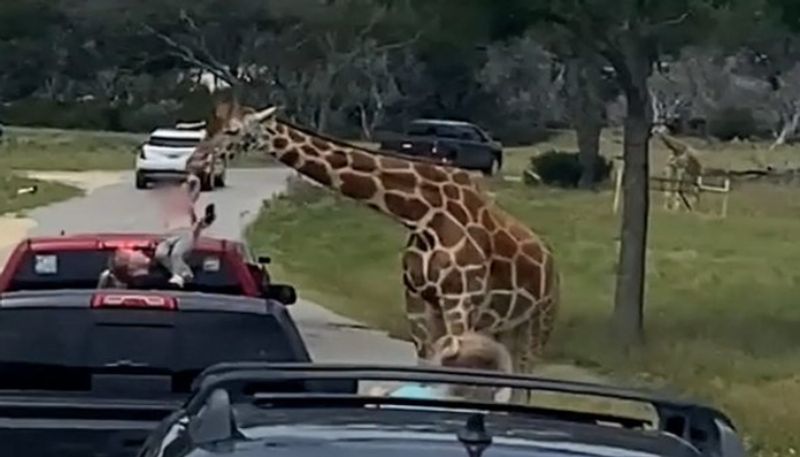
426 325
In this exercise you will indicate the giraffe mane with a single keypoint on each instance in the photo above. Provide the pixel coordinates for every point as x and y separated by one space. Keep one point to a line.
345 144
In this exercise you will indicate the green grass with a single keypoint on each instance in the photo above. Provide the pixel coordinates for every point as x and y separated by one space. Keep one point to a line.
722 317
48 192
77 150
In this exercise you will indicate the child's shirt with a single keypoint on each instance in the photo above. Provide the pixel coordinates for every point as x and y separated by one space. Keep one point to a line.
179 210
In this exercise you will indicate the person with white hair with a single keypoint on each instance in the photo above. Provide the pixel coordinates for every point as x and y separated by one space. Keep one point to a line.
126 267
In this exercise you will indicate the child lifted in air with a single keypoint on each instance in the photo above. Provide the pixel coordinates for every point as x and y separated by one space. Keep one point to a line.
183 228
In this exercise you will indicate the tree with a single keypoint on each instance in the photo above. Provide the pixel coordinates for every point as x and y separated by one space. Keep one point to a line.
630 35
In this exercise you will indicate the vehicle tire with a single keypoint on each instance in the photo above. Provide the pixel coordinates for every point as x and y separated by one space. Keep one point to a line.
141 180
207 183
493 169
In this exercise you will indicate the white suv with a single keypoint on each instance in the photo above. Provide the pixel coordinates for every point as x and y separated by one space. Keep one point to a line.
165 155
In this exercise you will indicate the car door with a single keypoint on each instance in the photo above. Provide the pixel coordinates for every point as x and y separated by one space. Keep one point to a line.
471 149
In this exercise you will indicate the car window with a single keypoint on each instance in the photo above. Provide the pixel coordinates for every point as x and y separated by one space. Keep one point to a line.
458 132
81 269
169 142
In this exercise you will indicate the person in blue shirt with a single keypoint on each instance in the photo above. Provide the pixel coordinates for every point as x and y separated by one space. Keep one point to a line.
470 351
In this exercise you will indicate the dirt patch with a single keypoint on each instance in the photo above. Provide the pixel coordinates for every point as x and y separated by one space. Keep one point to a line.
12 229
89 181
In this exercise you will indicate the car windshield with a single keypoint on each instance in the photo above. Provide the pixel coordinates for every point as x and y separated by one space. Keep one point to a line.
607 189
79 269
172 142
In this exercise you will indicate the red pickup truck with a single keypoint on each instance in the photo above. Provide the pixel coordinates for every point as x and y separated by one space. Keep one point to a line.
76 262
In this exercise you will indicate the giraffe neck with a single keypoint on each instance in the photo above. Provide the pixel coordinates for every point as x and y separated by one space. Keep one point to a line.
677 147
402 189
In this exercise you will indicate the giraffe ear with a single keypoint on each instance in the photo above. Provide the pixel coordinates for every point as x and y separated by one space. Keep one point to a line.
265 114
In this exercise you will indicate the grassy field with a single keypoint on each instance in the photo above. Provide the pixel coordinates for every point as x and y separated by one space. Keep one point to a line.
75 150
722 316
47 192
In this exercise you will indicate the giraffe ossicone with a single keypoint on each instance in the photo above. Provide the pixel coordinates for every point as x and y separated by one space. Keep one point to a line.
468 266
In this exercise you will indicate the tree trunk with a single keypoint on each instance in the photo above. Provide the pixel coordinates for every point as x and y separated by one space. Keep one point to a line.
586 106
588 133
629 294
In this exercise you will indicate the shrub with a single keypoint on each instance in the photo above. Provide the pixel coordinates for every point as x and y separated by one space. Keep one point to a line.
563 169
729 123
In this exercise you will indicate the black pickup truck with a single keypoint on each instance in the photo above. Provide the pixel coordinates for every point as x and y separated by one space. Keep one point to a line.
87 373
458 143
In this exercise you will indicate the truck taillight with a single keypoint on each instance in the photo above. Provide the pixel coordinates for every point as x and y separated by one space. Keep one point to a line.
127 244
133 301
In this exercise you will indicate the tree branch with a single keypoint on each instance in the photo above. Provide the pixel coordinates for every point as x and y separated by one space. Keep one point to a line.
188 55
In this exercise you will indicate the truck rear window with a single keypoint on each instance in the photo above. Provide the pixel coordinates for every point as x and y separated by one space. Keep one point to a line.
81 269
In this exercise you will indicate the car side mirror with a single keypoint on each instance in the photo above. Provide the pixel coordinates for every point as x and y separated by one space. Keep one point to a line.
264 259
282 293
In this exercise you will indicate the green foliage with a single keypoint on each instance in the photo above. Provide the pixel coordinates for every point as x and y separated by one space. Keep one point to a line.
732 122
563 169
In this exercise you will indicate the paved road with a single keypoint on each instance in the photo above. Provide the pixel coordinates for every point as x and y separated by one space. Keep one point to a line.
120 207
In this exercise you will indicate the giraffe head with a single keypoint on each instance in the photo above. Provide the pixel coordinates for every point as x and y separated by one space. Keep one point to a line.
238 129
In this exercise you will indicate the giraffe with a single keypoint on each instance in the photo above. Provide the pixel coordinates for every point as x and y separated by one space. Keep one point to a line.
683 167
468 266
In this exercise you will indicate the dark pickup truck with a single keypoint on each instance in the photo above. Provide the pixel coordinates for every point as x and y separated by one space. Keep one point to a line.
457 143
91 372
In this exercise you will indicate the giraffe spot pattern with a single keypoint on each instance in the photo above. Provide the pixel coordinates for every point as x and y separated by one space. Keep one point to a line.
462 178
469 254
458 212
481 238
296 136
432 194
391 163
452 192
439 261
412 265
452 283
487 220
521 307
504 245
472 203
320 144
317 171
280 143
501 304
400 181
309 151
500 273
484 322
357 186
290 158
529 276
448 231
361 161
407 209
430 172
337 159
475 280
518 232
533 251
